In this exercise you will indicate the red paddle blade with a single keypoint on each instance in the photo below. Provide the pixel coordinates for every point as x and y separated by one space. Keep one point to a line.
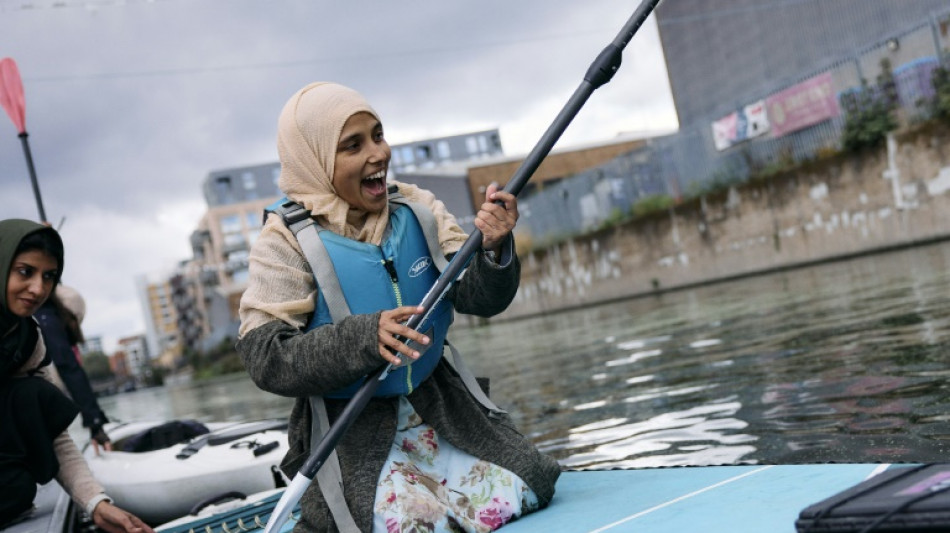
11 93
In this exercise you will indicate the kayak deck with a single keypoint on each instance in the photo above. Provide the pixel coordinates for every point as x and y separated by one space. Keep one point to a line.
712 499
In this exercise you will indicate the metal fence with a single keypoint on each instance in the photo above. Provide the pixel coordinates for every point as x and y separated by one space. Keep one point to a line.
689 163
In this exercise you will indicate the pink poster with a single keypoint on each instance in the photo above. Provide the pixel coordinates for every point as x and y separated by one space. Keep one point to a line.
724 131
741 125
802 105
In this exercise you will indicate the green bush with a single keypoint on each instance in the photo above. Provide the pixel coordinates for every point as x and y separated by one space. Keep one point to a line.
96 365
868 118
941 83
651 204
869 111
219 360
615 217
155 377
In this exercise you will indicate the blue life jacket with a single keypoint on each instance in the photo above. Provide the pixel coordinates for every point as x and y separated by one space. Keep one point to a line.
400 271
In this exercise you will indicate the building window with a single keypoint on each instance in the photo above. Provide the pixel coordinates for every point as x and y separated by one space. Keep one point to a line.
223 183
239 276
471 144
238 257
252 219
250 185
443 149
249 182
230 223
231 230
222 188
407 157
233 240
424 151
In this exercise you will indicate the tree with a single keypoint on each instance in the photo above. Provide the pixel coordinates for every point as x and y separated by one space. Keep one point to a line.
97 368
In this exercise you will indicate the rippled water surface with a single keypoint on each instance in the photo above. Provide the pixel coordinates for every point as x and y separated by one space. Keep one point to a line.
842 362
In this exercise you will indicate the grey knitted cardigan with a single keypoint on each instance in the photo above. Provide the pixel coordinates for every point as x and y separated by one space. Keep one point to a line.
284 360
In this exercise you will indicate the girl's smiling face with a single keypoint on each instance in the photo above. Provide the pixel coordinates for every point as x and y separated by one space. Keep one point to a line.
360 165
32 277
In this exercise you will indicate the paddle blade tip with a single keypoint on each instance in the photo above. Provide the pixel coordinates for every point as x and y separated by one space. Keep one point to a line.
11 93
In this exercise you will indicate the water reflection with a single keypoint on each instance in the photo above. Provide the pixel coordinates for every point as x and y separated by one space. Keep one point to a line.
225 399
706 433
843 362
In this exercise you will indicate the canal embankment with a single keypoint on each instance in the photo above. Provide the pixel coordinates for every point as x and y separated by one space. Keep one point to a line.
835 207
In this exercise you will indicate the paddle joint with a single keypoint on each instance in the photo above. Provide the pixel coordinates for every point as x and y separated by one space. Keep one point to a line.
605 66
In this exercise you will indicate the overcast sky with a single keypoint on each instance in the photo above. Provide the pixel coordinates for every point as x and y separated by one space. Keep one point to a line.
130 104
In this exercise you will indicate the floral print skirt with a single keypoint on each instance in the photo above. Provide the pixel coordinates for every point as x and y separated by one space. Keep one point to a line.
428 485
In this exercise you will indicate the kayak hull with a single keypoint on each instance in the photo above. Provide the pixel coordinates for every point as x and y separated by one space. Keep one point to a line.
162 485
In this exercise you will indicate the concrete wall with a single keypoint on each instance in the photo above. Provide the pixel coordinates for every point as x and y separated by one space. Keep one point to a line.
894 196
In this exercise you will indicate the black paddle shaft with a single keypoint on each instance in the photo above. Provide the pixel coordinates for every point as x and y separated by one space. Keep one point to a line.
599 73
29 165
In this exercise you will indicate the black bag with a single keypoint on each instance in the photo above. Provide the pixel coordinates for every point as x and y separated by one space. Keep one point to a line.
163 436
907 499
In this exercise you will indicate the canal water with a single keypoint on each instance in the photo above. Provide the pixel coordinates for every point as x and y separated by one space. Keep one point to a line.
842 362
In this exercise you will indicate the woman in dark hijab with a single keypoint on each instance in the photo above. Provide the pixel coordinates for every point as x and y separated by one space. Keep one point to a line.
35 446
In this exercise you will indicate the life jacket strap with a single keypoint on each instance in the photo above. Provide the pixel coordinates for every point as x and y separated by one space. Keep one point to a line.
430 228
330 477
307 231
470 383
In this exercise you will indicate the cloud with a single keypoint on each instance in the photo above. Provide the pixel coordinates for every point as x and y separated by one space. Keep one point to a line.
105 249
130 105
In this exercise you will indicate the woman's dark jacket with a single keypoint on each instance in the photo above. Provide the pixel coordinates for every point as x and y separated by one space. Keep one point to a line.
72 373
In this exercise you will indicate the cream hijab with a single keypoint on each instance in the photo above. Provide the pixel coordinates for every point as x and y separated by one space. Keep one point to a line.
308 131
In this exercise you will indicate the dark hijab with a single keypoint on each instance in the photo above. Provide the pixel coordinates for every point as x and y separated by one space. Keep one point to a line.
18 335
34 412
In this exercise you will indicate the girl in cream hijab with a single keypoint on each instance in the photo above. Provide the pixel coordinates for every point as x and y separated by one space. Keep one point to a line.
434 458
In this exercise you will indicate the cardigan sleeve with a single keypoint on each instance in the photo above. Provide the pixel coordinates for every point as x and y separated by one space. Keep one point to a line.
487 288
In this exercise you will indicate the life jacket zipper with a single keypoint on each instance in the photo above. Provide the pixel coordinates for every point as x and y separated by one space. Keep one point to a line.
394 279
391 269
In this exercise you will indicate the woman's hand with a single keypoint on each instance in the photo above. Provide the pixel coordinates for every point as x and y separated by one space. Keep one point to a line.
110 518
99 437
391 324
496 221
